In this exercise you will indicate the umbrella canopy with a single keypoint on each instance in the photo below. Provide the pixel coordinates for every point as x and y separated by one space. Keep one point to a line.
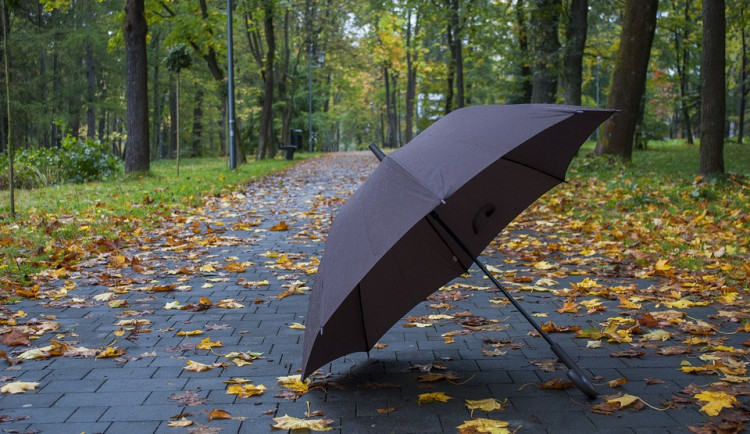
477 168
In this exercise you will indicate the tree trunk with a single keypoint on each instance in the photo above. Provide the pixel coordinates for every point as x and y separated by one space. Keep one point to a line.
157 98
525 75
742 81
629 78
457 52
683 53
173 107
197 144
450 72
411 75
545 17
576 42
11 174
90 92
265 139
136 87
712 90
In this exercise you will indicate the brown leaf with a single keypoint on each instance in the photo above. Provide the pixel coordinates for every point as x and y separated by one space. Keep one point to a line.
628 354
16 337
218 414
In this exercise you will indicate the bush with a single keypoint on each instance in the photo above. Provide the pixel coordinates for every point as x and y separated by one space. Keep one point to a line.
75 161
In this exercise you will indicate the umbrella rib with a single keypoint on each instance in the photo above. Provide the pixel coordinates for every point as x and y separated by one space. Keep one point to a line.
534 169
466 269
362 315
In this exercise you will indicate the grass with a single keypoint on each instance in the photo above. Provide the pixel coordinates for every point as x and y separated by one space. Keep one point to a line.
659 205
62 224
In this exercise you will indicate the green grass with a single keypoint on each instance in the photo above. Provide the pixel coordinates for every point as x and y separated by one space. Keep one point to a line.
58 225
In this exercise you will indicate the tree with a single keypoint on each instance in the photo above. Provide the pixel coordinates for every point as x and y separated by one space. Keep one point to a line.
11 175
545 17
265 142
576 42
629 78
136 87
713 100
179 58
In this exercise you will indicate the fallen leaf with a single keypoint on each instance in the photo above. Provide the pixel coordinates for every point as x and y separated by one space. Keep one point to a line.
18 387
245 390
182 422
292 423
618 382
716 401
16 337
218 414
281 226
207 344
489 404
190 333
426 398
481 425
297 326
625 400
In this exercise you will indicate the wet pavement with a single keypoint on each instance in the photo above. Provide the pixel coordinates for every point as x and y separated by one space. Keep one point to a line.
241 271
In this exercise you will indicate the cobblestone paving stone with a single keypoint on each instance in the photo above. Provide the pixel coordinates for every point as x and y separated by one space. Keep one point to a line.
138 392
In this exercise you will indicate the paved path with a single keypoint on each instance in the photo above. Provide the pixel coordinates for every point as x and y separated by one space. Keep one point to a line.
227 252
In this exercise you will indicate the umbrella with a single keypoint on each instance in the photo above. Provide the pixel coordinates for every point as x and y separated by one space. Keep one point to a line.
428 210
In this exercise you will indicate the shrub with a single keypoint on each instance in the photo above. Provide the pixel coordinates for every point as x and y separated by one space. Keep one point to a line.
74 161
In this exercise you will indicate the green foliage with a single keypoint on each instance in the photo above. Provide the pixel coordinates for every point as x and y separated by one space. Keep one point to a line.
179 58
75 161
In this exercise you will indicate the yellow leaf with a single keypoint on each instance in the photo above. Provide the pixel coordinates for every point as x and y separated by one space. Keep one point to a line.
190 333
619 382
297 326
281 226
208 268
543 265
716 401
481 425
172 305
18 387
235 267
661 265
658 335
245 390
426 398
207 344
489 404
182 422
624 400
105 296
110 352
292 423
294 383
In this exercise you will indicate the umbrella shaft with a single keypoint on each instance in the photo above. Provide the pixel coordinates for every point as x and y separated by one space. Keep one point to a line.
484 269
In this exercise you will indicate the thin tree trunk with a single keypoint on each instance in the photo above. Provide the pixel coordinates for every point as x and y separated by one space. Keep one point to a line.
712 90
411 75
177 117
91 92
173 108
742 81
457 52
198 124
451 73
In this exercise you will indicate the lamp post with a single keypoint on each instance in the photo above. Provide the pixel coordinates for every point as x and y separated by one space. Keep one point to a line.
230 90
309 96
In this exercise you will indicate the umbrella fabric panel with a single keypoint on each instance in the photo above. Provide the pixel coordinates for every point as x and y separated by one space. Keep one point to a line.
552 150
503 191
451 151
372 221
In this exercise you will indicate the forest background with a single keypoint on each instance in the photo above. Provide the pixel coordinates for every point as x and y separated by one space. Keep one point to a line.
343 74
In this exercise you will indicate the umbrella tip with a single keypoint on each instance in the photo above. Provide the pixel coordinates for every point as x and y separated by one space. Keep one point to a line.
377 151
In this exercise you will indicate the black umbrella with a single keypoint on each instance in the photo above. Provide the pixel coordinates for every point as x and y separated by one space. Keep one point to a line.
428 210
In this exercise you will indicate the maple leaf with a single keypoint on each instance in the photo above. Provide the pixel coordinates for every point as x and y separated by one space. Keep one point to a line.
188 397
207 344
297 326
292 423
624 400
426 398
245 390
487 405
111 352
189 333
229 303
235 267
18 387
715 401
281 226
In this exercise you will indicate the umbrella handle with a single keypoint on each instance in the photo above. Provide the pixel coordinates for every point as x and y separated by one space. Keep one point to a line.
375 150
